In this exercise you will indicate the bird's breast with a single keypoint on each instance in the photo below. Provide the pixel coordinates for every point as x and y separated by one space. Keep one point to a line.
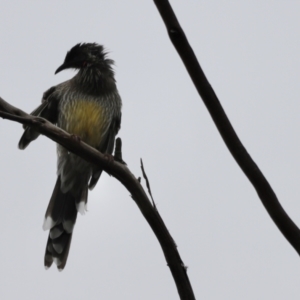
87 119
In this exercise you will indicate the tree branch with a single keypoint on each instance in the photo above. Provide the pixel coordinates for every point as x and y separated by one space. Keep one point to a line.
284 223
120 171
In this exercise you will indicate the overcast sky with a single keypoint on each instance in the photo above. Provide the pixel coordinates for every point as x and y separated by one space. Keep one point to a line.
249 51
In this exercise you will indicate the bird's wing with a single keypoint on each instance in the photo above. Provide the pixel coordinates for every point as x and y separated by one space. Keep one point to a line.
47 110
106 147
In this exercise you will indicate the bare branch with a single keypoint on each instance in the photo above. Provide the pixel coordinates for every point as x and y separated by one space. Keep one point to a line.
120 171
284 223
147 183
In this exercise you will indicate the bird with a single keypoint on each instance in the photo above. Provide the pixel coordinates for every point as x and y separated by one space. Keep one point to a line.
87 106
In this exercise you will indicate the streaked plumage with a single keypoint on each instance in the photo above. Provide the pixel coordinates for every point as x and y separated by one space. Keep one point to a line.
88 106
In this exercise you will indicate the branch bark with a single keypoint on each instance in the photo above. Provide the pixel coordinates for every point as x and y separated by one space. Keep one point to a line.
123 174
265 192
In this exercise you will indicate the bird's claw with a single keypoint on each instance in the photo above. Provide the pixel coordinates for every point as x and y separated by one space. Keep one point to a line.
76 138
109 157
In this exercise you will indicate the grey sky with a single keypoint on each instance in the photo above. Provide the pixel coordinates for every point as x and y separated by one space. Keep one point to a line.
250 52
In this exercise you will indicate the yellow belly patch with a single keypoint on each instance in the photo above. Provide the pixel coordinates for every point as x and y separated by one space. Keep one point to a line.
87 120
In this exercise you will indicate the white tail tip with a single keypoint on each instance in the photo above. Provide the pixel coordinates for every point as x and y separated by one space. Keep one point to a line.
48 223
82 207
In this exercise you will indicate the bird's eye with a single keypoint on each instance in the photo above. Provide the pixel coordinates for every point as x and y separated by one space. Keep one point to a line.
84 64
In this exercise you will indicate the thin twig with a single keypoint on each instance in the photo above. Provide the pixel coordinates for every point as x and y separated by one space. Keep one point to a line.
118 152
147 183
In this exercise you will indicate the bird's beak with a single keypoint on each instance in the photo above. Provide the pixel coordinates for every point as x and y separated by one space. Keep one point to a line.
63 67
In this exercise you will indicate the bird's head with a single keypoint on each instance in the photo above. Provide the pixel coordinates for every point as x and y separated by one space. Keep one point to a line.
86 55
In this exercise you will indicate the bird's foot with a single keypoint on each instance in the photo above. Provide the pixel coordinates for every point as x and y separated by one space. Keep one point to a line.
76 138
109 157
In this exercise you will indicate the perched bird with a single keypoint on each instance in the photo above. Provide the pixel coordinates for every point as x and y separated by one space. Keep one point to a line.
87 106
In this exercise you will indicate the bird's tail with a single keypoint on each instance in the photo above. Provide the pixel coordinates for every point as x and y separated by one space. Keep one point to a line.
60 219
